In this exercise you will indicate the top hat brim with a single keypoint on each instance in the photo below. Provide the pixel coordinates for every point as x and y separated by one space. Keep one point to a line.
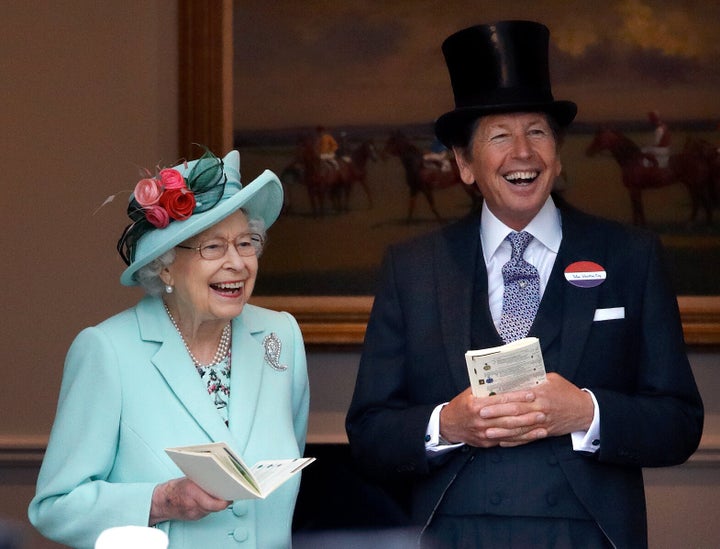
454 123
261 199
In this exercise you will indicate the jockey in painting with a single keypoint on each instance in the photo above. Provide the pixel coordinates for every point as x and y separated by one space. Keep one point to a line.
438 154
327 147
660 149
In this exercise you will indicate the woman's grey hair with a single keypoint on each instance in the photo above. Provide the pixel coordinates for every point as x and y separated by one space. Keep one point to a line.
148 277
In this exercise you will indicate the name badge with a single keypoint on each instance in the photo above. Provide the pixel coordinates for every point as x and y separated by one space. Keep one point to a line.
585 274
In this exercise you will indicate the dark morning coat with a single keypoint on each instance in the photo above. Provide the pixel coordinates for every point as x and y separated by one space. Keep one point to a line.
420 328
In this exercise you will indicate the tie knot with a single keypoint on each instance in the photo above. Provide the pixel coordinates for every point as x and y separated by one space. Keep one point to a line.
519 242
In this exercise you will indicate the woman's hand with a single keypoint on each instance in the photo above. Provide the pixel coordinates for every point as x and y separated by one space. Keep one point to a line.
182 499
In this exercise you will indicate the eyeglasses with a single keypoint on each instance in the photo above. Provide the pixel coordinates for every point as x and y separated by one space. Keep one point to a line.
246 245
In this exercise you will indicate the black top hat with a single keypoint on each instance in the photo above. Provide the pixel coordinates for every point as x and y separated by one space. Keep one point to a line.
499 68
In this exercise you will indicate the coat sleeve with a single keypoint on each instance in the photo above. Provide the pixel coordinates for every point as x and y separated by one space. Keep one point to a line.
659 420
385 424
81 451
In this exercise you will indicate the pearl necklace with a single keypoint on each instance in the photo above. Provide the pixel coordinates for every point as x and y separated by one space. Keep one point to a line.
223 346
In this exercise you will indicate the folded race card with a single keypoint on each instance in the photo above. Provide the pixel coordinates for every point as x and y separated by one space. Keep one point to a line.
221 472
511 367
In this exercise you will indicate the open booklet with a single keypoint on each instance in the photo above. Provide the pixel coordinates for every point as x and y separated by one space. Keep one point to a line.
221 472
511 367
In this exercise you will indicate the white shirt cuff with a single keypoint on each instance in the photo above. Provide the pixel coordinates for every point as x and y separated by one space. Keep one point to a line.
588 441
434 446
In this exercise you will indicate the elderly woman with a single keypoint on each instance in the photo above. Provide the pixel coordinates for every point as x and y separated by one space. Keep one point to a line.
191 363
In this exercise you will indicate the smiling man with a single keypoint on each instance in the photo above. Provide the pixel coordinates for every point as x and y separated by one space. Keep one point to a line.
513 158
559 465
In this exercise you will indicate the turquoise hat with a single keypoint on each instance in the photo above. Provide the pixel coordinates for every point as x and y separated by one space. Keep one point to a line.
216 192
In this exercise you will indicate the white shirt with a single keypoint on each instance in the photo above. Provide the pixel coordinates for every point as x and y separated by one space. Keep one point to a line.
546 228
541 252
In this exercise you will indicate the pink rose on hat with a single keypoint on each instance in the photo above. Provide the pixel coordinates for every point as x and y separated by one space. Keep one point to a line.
172 179
147 192
157 215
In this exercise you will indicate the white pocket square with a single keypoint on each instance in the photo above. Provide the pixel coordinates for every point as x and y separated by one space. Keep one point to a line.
612 313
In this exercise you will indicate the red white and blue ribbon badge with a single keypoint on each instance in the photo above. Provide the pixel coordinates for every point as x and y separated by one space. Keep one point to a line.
585 274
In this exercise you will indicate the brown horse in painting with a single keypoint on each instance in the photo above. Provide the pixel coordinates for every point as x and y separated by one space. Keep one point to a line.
709 153
357 172
424 177
323 179
640 171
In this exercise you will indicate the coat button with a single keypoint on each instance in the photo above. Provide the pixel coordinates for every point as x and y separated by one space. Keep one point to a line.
240 508
406 468
240 534
496 499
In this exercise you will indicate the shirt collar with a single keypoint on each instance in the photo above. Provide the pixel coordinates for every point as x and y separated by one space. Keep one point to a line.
545 227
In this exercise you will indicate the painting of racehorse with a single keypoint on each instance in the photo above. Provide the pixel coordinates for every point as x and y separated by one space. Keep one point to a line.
696 166
643 149
388 185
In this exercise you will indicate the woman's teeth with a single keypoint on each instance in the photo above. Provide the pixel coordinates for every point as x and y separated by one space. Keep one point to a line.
228 286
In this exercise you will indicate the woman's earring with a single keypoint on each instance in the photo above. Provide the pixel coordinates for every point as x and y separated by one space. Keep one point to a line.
168 289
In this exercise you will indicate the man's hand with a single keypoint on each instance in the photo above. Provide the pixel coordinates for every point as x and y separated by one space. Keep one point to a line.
554 408
567 407
486 422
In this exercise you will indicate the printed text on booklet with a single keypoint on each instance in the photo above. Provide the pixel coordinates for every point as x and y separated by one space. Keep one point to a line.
511 367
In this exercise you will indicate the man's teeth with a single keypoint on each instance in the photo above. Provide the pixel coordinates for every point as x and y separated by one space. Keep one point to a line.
524 176
229 285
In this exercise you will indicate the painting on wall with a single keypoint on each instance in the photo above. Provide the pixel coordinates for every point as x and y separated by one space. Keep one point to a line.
645 75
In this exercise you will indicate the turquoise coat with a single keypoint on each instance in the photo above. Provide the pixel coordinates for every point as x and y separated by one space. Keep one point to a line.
130 390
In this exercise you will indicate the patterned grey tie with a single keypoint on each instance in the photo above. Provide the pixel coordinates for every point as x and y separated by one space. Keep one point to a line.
521 298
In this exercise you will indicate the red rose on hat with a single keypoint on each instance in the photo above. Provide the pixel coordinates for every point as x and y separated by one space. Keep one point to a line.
179 203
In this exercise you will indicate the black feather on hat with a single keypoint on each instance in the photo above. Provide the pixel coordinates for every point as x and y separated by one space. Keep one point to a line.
499 68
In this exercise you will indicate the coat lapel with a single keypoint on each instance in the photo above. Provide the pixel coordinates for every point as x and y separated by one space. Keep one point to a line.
456 254
579 243
547 325
248 368
177 369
